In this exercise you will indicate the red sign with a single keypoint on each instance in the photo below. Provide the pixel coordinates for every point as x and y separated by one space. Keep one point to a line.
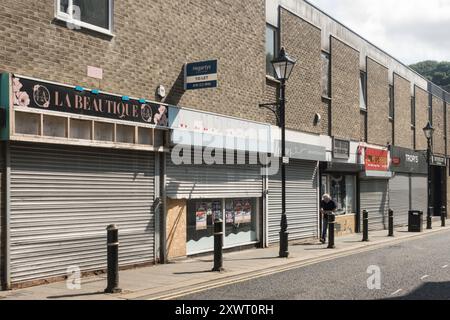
396 161
376 160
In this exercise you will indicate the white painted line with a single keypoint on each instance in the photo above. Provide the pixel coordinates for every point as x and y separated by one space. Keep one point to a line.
397 292
444 267
424 277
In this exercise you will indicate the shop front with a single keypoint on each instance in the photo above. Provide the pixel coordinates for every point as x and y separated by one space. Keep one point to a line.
438 176
77 160
374 186
214 171
408 186
339 179
305 152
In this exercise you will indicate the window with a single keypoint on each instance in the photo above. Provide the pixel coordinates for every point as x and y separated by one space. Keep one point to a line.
342 190
95 15
326 75
413 111
363 90
271 48
391 102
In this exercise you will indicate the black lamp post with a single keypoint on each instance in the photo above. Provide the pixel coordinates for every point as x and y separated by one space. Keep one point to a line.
283 67
428 131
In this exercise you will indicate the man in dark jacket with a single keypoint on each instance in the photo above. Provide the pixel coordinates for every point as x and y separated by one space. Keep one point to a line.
327 207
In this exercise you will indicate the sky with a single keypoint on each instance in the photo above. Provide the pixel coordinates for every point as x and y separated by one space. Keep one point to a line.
409 30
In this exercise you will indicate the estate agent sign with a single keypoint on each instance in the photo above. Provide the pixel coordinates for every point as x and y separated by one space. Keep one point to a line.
200 75
48 96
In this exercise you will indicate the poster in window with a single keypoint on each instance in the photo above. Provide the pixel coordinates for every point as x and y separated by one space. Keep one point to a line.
238 212
247 212
216 209
201 215
229 212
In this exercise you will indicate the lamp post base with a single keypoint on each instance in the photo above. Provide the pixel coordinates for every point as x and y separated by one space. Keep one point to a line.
284 252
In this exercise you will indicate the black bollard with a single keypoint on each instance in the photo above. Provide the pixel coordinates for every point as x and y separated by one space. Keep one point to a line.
218 245
391 223
443 216
113 259
365 226
331 223
429 219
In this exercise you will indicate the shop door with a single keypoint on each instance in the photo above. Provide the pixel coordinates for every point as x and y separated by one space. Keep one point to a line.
438 189
399 198
301 201
374 199
62 200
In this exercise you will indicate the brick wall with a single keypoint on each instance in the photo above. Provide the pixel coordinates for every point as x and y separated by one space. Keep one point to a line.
153 40
344 91
402 112
303 91
377 103
439 126
421 117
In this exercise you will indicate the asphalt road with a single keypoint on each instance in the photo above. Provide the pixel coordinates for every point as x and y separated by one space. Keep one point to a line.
417 269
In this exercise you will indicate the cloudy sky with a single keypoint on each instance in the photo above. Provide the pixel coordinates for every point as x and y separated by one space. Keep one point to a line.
410 30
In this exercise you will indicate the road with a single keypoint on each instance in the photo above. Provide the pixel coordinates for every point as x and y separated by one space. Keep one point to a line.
417 269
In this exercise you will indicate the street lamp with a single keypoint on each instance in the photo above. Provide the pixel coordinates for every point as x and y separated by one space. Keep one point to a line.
283 67
428 131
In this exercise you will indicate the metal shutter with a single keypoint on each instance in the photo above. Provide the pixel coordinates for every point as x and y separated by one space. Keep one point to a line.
301 202
419 194
213 181
62 200
399 198
374 199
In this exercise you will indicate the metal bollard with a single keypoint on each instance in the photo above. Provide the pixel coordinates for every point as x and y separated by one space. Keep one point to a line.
443 216
113 259
218 245
331 223
365 226
429 219
391 223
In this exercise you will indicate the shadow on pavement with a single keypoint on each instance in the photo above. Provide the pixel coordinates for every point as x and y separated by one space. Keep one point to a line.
428 291
76 295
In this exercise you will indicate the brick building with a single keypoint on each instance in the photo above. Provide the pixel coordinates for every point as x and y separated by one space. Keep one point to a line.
85 90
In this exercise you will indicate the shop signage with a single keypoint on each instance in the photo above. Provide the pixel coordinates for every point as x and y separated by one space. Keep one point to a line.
341 149
48 96
200 75
376 160
438 161
408 161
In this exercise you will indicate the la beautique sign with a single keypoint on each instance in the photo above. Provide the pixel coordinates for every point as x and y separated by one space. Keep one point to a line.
48 96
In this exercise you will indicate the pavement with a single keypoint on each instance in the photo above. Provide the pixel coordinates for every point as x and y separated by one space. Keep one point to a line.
194 275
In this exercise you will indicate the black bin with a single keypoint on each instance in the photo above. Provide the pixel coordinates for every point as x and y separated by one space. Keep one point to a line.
415 221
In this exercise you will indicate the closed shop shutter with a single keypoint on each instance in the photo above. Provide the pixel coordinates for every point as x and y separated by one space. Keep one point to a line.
62 200
213 181
419 193
399 194
374 199
301 202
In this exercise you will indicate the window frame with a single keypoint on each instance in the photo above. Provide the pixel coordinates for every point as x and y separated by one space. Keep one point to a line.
68 18
276 47
391 102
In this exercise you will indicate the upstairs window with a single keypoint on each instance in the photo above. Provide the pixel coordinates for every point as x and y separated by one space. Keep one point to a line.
413 111
271 48
326 75
90 14
391 102
363 90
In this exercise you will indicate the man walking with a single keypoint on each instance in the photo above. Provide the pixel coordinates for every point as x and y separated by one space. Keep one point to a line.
327 208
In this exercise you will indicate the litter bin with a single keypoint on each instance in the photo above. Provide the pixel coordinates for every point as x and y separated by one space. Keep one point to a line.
415 221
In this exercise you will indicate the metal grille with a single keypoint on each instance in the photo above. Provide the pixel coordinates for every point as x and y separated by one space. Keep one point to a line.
213 181
374 199
301 202
399 194
419 194
62 200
